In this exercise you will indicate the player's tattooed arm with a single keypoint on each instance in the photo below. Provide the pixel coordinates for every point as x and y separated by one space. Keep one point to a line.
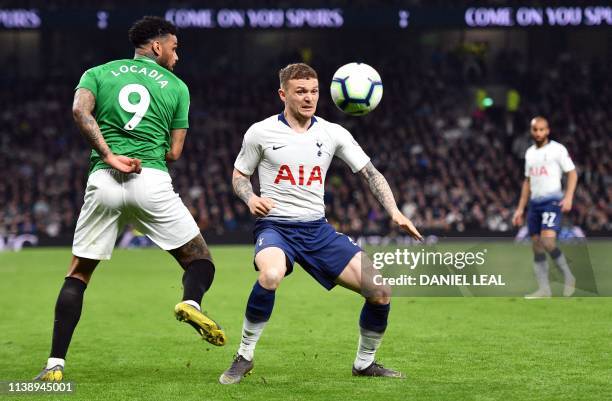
258 206
242 186
82 112
82 109
381 190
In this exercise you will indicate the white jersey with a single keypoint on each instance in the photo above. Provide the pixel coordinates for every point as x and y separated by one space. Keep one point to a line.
545 166
292 166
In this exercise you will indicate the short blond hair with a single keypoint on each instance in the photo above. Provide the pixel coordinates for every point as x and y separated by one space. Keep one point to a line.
296 71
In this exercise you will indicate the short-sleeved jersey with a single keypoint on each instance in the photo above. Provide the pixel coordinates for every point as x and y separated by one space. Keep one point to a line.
545 166
138 102
292 166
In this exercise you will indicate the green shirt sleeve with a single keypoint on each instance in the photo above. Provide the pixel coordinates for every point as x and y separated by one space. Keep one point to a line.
89 81
181 115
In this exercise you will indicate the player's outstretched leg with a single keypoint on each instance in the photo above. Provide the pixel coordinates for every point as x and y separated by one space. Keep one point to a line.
67 314
271 264
258 312
373 318
199 273
372 326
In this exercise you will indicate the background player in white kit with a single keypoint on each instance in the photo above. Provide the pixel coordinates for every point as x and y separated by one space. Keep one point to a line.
292 152
545 163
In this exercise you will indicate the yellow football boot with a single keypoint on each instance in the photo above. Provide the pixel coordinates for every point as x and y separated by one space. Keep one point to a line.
55 374
205 326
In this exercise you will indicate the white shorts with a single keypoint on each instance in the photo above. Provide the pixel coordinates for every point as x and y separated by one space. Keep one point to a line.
146 200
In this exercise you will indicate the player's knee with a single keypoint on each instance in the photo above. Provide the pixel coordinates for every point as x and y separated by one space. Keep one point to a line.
382 300
82 268
380 296
548 244
537 245
270 278
196 249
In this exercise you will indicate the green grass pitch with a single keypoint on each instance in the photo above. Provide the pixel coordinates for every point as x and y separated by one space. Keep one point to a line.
129 347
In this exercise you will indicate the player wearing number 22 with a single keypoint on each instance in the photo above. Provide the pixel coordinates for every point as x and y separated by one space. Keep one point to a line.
134 115
292 152
545 163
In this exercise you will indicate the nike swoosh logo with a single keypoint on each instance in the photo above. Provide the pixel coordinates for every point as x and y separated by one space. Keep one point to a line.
278 147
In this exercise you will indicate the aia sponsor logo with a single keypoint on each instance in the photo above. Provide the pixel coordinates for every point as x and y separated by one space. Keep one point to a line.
537 171
285 174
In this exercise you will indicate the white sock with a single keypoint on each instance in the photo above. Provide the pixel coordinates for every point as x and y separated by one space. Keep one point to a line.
369 341
51 362
250 335
561 263
193 303
541 273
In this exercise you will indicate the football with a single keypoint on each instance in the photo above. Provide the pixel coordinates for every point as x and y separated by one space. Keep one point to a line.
356 89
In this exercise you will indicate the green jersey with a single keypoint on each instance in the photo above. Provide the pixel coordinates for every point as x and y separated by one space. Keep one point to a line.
138 102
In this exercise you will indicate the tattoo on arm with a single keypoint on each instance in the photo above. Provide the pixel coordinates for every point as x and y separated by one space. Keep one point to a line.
242 187
82 108
379 187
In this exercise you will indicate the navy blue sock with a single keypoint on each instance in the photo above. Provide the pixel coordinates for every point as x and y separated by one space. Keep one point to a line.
261 302
555 253
539 257
374 317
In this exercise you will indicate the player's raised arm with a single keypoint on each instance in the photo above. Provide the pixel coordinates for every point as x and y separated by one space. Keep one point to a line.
381 190
82 109
243 188
517 219
568 198
177 140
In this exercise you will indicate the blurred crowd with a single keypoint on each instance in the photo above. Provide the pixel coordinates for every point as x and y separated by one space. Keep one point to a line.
140 4
454 167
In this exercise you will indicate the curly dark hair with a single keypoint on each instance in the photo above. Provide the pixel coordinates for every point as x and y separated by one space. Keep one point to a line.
148 28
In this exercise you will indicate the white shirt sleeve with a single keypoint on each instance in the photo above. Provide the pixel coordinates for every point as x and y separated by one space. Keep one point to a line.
250 153
565 161
349 150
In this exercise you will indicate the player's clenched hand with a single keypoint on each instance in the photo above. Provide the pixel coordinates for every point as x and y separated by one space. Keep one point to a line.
259 206
123 163
405 224
566 205
517 218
